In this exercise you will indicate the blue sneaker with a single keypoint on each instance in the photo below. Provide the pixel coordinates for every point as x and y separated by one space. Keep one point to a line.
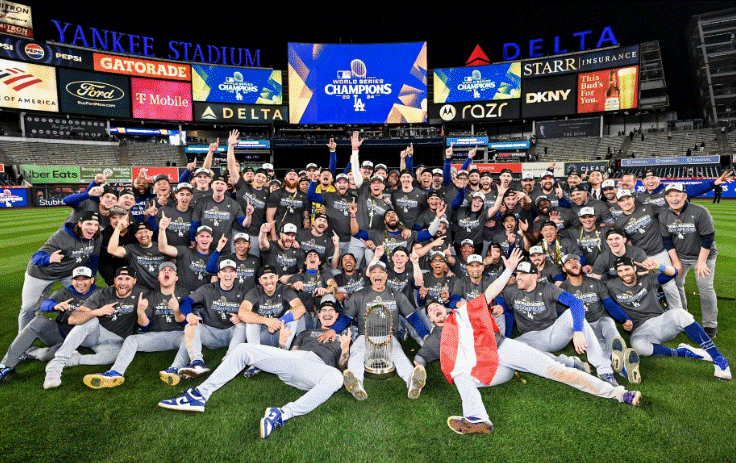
270 421
107 379
723 371
632 398
688 351
170 376
5 372
191 401
631 365
194 370
608 377
250 372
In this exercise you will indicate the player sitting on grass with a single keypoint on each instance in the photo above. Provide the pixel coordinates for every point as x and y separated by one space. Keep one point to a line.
310 365
493 358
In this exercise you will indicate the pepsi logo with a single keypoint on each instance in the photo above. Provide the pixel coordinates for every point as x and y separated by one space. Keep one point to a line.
34 51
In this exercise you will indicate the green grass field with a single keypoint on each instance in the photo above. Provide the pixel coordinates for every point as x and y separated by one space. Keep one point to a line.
687 414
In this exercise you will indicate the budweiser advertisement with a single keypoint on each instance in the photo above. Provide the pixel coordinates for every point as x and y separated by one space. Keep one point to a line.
609 90
161 99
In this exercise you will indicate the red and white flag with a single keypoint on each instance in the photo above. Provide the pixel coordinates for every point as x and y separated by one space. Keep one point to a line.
468 343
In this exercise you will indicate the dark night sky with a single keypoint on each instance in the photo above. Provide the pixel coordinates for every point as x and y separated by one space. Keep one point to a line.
452 33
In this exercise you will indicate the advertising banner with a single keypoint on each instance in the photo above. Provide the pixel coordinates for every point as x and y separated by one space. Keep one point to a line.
42 53
161 99
466 141
28 86
14 196
638 162
603 59
479 111
550 96
495 168
584 167
16 19
219 84
94 93
240 114
50 174
586 127
357 84
53 195
610 90
151 172
142 67
64 127
539 168
113 174
477 83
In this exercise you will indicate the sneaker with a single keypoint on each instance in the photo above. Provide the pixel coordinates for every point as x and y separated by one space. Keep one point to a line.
5 372
352 384
250 372
632 398
618 346
107 379
723 371
608 377
270 421
688 351
194 370
170 376
469 425
191 401
580 365
631 365
53 379
712 332
417 381
24 357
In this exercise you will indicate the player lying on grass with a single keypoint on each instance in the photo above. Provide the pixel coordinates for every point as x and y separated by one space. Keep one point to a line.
310 365
473 353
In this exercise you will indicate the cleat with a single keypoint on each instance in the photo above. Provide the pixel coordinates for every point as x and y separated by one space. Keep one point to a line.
723 371
170 376
24 357
5 372
631 365
469 425
417 381
608 377
632 398
53 380
352 384
251 371
270 421
194 370
580 365
107 379
191 401
618 346
712 332
687 351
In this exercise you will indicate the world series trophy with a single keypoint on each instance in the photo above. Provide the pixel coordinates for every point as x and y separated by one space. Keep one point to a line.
379 362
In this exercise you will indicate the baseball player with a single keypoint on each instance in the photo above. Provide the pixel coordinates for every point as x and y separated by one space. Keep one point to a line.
248 264
162 323
51 332
548 272
650 326
101 324
282 254
604 266
310 365
311 285
219 211
192 263
471 285
178 232
288 205
143 256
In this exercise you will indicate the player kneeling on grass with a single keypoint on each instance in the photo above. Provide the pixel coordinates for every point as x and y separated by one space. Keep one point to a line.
310 365
473 353
161 321
637 295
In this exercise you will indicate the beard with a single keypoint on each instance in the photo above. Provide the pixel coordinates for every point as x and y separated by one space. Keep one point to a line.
291 185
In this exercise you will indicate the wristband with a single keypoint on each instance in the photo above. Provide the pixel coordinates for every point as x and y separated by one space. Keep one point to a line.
287 317
662 268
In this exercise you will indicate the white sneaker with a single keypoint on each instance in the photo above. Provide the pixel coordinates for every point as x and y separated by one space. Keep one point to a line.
53 380
417 381
694 352
722 370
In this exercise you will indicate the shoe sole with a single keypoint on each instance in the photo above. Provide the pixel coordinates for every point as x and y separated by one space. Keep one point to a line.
191 373
462 426
51 385
636 401
182 408
100 381
172 379
353 385
263 428
618 346
417 382
631 364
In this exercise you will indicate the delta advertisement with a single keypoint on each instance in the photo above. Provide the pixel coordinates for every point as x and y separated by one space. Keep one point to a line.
609 90
161 99
13 196
479 83
219 84
28 86
241 114
94 93
357 84
42 53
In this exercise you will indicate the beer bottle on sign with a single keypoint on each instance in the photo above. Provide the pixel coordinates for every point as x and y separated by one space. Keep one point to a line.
612 93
